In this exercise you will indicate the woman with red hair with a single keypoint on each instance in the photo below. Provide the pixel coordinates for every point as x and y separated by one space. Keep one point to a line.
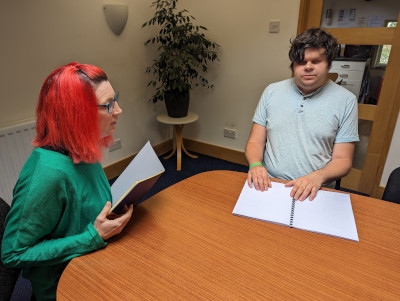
62 197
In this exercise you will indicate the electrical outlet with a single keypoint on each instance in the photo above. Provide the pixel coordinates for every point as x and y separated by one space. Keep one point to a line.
274 26
228 133
116 145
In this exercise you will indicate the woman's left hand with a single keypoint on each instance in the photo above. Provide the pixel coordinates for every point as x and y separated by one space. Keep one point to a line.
109 227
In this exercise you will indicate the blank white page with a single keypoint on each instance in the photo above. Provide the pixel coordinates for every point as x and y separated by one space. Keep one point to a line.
145 165
273 205
329 213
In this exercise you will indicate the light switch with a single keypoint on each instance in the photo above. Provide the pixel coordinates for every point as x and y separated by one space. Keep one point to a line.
274 26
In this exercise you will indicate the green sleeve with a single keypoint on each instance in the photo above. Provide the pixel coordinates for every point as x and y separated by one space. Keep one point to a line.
53 251
44 225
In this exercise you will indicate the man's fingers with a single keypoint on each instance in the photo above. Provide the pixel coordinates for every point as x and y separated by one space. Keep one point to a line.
249 180
313 193
260 181
259 177
290 184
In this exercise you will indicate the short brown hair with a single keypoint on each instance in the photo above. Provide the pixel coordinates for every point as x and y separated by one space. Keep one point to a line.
313 38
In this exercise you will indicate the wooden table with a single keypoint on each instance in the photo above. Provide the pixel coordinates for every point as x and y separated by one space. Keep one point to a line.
178 124
185 244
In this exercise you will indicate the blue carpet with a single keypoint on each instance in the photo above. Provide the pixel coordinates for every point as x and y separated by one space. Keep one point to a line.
22 290
190 167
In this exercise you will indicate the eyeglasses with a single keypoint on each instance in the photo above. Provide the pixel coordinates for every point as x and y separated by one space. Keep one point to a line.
111 104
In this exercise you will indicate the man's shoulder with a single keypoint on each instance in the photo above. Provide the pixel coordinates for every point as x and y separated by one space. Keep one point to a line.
282 85
337 89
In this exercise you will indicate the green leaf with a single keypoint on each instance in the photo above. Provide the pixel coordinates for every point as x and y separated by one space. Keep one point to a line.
183 52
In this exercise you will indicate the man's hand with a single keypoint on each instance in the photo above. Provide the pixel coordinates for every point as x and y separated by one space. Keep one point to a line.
110 227
259 177
254 154
338 167
305 186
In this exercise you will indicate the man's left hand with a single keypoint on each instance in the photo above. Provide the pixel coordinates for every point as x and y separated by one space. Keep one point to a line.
306 186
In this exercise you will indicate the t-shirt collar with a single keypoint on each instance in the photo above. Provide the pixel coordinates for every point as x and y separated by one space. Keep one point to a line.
311 93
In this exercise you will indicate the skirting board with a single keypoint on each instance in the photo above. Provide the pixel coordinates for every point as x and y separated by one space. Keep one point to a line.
207 149
236 156
379 193
215 151
231 155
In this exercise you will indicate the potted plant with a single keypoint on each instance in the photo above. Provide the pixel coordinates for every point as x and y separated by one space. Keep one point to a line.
184 52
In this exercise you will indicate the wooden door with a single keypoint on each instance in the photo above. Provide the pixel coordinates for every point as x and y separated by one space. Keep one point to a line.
384 114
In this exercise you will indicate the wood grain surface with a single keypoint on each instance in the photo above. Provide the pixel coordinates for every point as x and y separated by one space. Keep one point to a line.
185 244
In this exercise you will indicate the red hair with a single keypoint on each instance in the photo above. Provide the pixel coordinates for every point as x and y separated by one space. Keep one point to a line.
67 116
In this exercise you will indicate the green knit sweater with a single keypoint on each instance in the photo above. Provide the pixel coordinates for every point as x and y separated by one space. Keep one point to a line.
51 219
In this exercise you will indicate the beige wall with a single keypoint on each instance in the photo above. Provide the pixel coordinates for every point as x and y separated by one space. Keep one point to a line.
251 58
38 36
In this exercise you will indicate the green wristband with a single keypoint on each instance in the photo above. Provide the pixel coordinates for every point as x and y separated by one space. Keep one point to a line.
254 164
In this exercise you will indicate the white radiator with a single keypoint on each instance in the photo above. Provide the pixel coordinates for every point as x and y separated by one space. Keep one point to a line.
15 148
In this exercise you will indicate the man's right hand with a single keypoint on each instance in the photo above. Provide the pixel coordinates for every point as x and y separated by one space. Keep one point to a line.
259 177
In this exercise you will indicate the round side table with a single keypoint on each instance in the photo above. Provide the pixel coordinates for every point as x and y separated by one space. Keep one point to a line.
178 124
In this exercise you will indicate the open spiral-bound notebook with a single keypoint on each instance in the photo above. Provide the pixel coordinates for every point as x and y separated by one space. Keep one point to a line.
329 213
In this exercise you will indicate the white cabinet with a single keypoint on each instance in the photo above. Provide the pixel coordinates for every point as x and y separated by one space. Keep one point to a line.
350 74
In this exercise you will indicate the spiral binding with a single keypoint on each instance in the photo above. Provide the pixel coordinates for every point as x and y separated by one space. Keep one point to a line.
292 212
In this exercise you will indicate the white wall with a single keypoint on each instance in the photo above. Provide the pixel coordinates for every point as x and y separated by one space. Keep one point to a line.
38 36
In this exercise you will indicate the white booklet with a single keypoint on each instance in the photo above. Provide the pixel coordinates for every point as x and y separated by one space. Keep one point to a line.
329 213
137 179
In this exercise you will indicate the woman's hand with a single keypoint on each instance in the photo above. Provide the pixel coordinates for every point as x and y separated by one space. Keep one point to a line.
258 175
109 227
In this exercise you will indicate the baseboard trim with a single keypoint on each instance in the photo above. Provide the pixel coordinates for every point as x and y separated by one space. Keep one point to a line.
215 151
212 150
115 169
379 193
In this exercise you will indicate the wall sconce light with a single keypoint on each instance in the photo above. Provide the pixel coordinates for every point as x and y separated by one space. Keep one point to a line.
116 16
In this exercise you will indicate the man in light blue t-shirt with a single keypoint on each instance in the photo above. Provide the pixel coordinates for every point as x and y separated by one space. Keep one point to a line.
304 128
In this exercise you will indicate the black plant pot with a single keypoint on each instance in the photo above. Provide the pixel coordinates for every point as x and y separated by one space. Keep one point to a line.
177 103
